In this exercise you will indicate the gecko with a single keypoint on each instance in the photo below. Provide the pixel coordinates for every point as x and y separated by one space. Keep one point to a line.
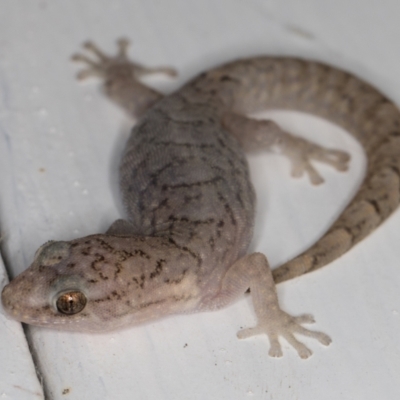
190 205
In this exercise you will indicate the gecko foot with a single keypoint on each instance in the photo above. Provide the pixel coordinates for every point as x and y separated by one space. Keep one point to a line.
101 67
301 152
121 77
254 134
279 323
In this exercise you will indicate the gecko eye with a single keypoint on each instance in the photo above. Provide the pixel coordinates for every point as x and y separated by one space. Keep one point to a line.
72 302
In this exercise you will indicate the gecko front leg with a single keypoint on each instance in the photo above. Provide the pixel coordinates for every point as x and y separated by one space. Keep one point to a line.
121 77
255 134
253 271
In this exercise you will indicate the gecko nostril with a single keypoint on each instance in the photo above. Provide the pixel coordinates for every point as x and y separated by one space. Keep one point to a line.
4 293
6 299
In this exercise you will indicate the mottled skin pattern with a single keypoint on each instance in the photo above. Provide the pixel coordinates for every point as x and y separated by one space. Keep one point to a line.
190 204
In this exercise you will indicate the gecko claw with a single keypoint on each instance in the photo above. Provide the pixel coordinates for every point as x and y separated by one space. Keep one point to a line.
123 44
304 319
89 45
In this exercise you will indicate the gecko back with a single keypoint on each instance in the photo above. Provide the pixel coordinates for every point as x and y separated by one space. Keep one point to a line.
183 176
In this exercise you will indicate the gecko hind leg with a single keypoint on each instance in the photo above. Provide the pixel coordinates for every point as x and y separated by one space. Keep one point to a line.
255 134
253 271
121 77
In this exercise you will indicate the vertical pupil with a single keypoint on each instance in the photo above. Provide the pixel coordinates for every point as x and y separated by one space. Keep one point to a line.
71 303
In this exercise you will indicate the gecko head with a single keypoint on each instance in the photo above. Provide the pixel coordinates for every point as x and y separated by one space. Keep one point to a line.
98 283
43 295
54 290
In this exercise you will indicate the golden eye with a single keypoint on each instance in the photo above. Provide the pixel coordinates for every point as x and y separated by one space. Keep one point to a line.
71 302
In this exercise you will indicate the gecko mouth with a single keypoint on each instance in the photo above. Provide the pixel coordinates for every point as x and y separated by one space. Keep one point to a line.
14 307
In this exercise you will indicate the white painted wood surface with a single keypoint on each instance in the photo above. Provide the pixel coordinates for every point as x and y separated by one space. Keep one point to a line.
59 148
18 379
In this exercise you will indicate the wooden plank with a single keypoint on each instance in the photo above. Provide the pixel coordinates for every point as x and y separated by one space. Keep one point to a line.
18 379
59 148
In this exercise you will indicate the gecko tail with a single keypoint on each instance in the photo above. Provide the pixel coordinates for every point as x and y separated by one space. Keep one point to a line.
377 198
369 116
342 98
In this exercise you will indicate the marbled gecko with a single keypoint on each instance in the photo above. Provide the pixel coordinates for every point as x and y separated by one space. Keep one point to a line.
190 204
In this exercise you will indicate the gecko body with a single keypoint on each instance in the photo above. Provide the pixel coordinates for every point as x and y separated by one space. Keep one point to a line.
190 203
